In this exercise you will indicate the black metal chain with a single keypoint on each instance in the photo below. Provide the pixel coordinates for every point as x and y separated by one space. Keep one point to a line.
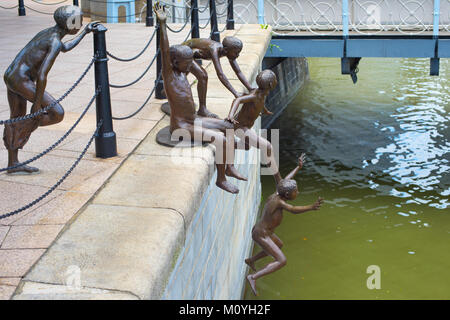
139 78
45 109
207 23
112 17
204 8
8 8
185 24
61 180
49 4
53 146
142 106
136 56
47 13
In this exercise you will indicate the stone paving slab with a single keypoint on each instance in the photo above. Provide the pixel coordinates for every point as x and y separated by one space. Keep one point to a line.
39 226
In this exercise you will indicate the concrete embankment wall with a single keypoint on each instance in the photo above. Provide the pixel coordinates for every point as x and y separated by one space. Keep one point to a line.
211 264
159 227
292 73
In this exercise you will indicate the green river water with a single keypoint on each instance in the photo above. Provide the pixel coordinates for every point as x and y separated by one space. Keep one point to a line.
379 153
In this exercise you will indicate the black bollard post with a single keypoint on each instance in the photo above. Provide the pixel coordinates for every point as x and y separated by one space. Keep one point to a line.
215 34
194 20
230 15
105 142
21 8
75 3
159 84
149 14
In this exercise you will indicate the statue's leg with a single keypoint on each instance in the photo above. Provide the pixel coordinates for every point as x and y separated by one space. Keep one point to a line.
251 139
54 115
251 261
16 135
202 77
226 128
220 142
271 248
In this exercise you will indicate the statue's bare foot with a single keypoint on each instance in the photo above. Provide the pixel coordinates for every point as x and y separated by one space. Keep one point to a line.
250 263
231 171
252 283
227 186
23 170
206 113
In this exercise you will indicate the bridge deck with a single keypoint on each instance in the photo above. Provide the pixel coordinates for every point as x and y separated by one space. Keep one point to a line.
384 44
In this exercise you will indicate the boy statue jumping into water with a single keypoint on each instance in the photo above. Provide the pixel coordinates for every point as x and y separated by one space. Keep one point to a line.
263 232
26 79
176 63
208 49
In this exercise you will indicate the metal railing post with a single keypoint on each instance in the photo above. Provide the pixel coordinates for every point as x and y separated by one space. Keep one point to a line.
194 20
436 14
149 14
75 3
21 8
434 62
159 84
345 18
230 15
261 13
105 142
215 34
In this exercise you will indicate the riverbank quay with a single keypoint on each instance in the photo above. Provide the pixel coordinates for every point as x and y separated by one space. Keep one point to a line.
100 193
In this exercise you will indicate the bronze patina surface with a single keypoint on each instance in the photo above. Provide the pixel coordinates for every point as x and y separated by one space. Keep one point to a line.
272 215
177 61
26 80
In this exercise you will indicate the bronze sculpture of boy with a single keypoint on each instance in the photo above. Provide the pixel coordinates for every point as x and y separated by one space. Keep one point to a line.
26 80
263 231
208 49
177 61
253 104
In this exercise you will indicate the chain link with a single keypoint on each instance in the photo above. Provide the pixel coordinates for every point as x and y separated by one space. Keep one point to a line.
138 55
143 105
61 180
53 146
185 24
49 4
139 78
45 109
8 8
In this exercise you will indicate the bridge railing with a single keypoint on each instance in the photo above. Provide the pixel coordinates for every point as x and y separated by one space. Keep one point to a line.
327 17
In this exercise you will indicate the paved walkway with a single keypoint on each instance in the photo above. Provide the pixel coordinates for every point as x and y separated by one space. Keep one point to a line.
26 236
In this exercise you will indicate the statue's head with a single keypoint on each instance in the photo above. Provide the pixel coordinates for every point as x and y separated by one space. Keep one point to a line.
287 189
69 18
181 57
232 47
266 79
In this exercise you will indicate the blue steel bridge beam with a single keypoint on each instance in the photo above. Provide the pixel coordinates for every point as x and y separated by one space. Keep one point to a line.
359 46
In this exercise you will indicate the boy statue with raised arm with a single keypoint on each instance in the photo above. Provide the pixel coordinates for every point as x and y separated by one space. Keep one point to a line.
263 231
177 61
26 79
